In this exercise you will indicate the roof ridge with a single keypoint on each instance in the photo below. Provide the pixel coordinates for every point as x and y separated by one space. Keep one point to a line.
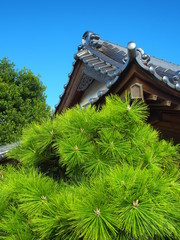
97 53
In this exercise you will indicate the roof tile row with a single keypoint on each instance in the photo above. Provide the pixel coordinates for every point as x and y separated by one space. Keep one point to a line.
111 60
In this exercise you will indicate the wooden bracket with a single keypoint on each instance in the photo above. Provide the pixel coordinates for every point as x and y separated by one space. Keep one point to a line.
163 103
166 103
151 97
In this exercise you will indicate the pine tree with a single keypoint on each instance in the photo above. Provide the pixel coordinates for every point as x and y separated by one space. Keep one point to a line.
91 174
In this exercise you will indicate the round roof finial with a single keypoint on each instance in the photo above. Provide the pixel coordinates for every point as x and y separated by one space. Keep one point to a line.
131 45
131 50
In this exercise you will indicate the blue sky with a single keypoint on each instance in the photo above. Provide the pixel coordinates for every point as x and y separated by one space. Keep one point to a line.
43 35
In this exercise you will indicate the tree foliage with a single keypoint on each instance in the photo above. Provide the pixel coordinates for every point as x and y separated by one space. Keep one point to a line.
22 101
99 175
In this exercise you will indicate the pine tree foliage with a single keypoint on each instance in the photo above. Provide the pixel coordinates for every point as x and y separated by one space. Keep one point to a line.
91 174
14 226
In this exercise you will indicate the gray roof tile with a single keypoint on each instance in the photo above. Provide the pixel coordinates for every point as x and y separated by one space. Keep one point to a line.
111 59
6 148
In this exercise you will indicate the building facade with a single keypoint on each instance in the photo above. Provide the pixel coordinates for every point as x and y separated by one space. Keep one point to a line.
103 68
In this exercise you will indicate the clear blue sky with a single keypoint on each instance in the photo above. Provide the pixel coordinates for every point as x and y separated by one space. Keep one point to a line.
43 35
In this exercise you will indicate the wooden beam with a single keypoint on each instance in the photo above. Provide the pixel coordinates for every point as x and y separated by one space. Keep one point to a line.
168 126
71 88
151 97
164 103
173 117
177 108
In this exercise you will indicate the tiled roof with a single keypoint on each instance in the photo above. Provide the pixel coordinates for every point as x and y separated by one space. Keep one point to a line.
6 148
110 60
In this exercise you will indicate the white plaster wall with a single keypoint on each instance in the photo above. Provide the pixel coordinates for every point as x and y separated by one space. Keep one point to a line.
91 92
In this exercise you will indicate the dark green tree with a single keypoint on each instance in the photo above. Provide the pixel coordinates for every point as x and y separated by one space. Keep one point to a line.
22 101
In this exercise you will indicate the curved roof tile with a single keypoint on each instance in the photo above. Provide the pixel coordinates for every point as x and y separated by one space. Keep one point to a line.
111 60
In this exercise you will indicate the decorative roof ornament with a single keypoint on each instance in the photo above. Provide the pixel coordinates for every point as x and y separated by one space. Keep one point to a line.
111 60
178 86
100 93
132 53
91 39
80 47
152 70
140 50
145 59
165 79
176 77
